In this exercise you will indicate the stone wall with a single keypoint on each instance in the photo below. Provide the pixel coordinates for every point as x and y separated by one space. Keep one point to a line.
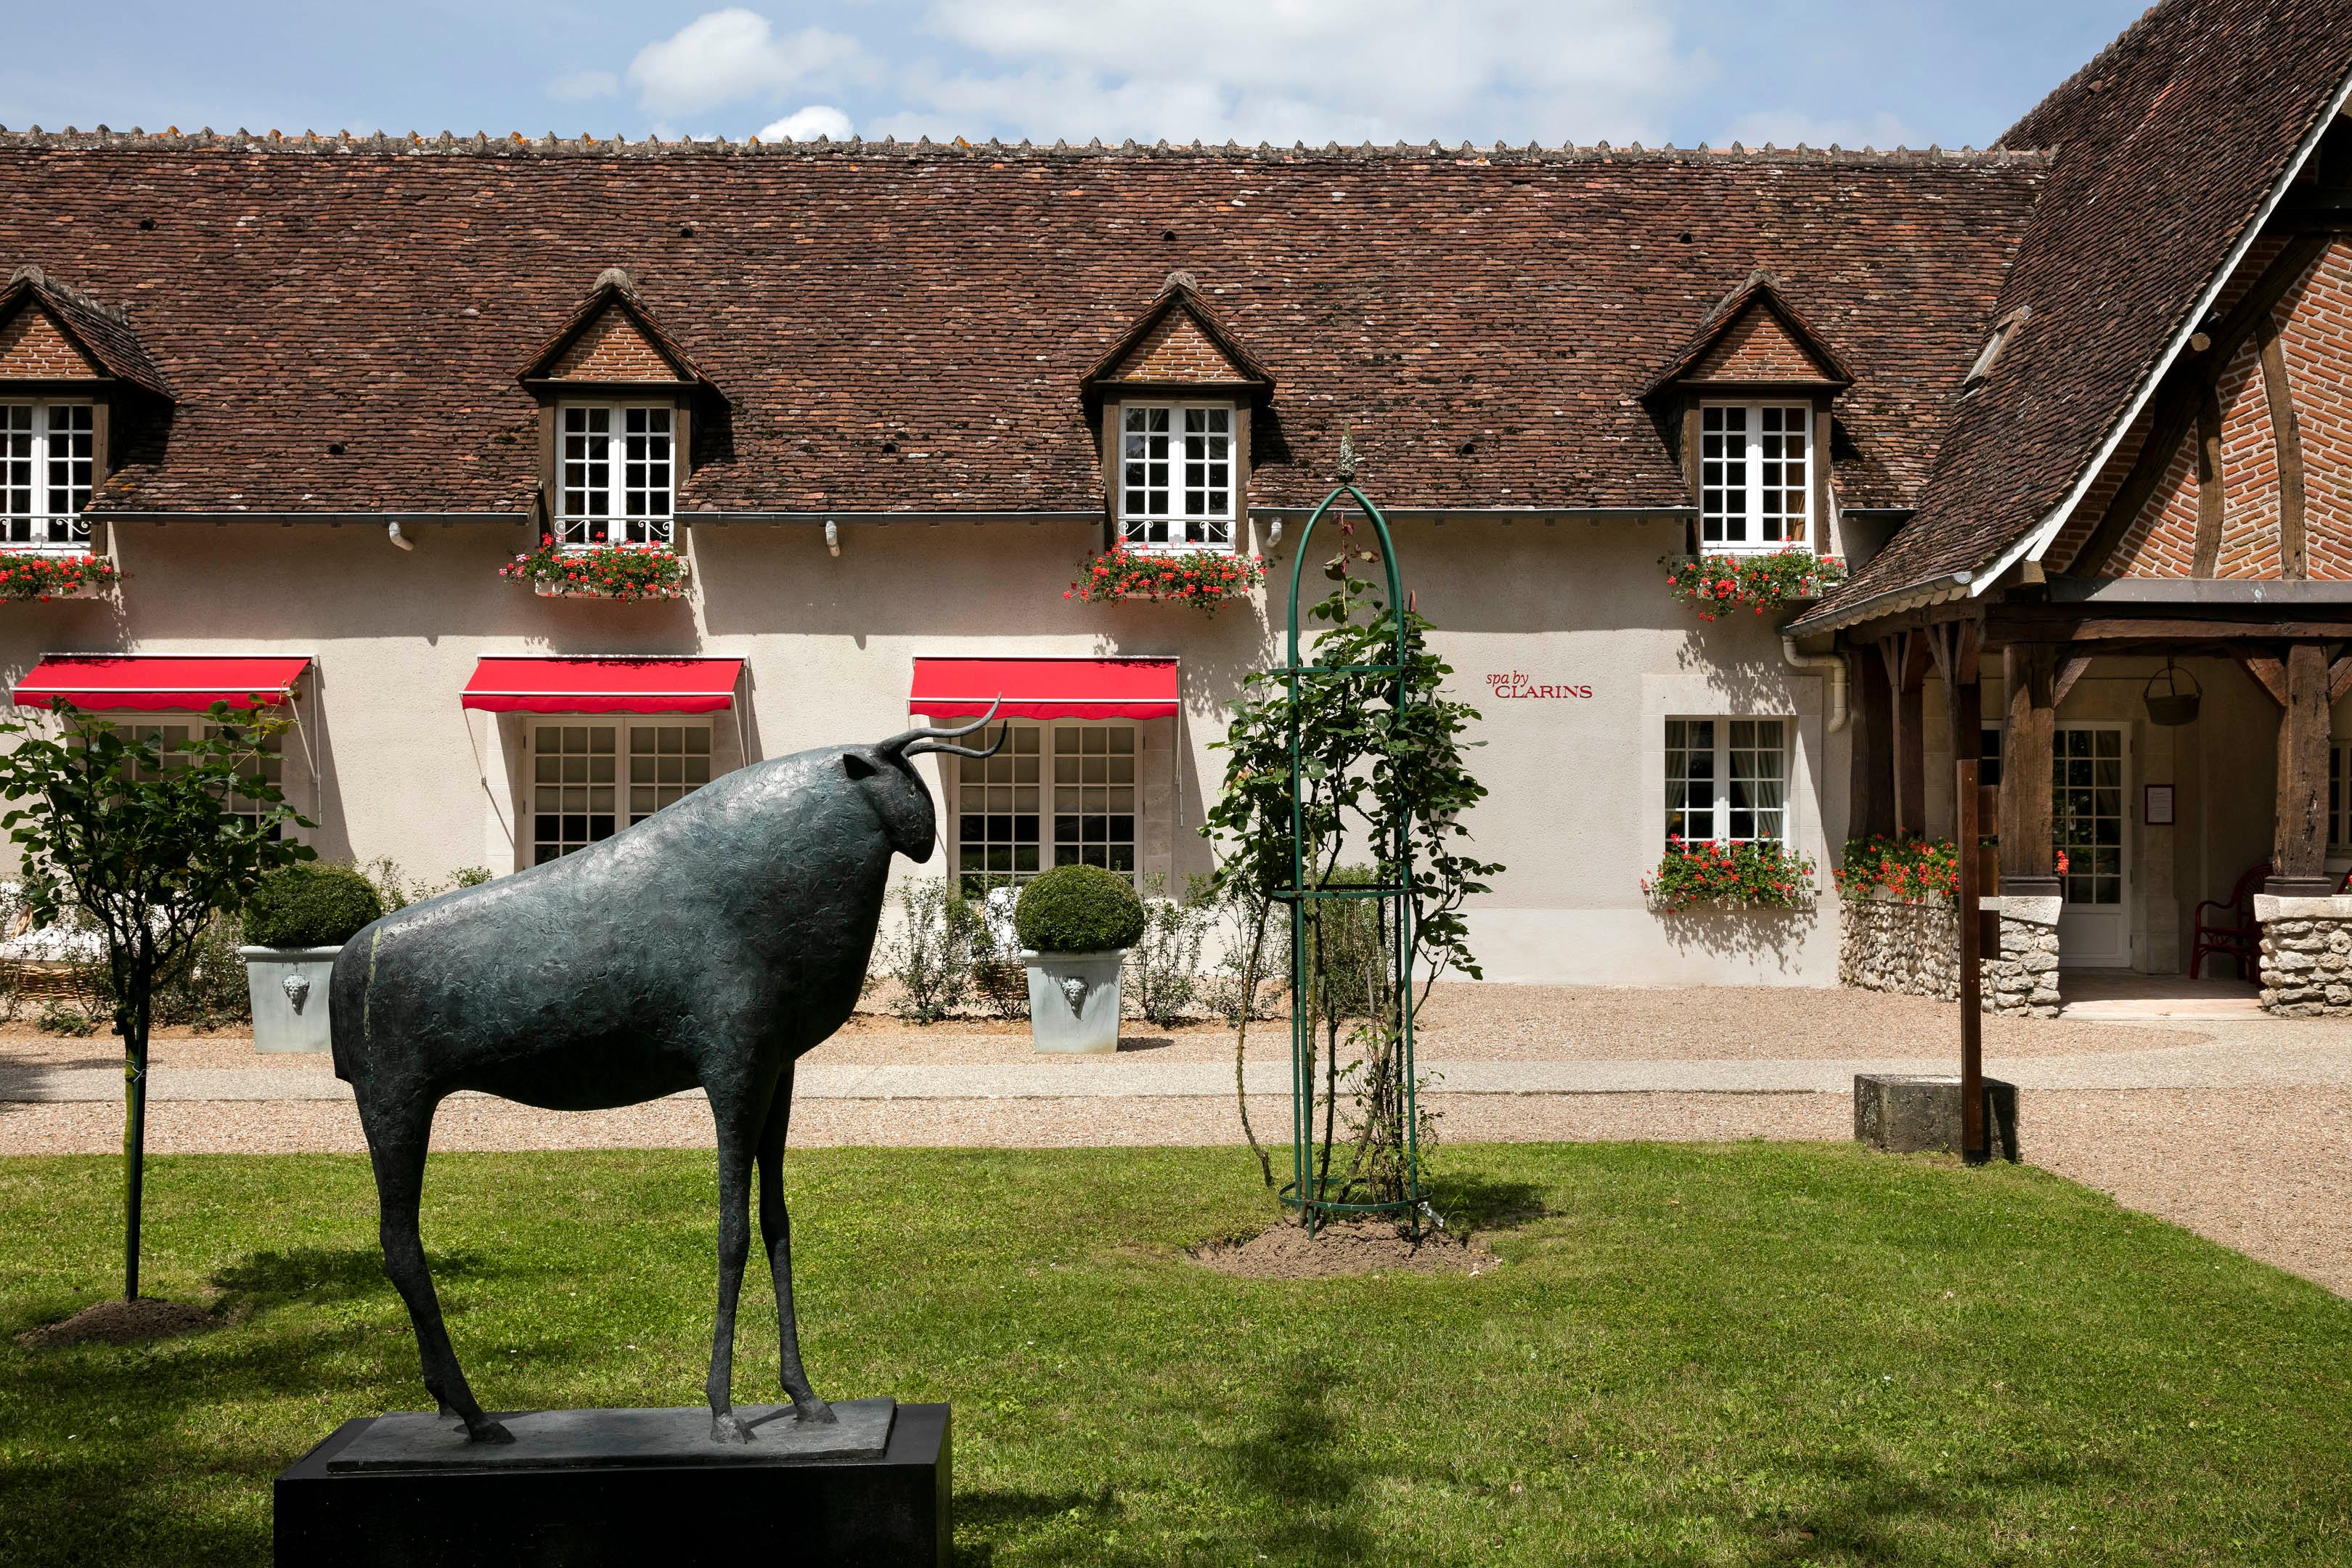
2306 955
1887 945
2022 982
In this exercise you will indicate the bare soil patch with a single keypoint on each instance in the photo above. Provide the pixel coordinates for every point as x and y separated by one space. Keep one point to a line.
1345 1249
120 1322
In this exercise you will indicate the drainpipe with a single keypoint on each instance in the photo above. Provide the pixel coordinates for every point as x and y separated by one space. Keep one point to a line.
392 532
1829 664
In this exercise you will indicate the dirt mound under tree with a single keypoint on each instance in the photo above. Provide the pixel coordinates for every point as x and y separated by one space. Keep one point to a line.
119 1323
1346 1247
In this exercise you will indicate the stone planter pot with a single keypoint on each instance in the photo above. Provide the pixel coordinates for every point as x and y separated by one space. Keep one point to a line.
1074 1000
288 987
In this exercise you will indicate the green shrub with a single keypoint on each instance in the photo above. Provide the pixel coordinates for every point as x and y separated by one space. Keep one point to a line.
1163 968
1078 908
311 905
1348 949
931 955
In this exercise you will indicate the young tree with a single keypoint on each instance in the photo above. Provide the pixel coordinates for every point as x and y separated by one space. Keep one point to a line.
150 839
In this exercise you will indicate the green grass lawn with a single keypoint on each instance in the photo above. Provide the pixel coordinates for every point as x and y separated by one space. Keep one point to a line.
1703 1354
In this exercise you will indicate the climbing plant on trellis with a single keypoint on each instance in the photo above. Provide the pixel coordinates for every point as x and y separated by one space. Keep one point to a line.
1343 803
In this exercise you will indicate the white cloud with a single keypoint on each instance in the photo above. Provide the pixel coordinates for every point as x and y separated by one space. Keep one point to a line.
808 124
1788 127
1313 70
583 85
727 56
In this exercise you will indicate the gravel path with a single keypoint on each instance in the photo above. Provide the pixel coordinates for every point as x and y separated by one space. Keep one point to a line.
2259 1159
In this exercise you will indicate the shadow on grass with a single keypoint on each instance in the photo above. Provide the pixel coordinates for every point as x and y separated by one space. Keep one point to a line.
1001 1516
322 1274
1877 1512
1471 1202
1310 1506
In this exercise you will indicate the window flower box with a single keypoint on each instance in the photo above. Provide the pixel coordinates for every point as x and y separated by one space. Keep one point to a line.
623 572
1764 874
41 576
1715 585
1203 578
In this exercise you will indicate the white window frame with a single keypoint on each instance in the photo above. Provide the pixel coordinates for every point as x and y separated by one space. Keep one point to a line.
1049 841
589 516
1190 529
155 726
1722 745
626 728
1718 485
32 455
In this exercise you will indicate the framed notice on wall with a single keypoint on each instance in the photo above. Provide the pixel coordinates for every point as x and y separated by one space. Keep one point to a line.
2156 806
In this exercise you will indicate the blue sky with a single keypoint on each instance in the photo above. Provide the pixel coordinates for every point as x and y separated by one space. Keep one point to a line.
1879 72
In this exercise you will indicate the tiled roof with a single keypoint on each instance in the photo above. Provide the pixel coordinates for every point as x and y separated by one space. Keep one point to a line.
103 332
2166 146
905 327
1823 363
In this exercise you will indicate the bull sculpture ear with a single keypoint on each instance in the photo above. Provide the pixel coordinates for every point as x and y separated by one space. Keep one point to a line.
858 767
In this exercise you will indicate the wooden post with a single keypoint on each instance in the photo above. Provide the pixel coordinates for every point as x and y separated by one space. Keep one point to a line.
1872 812
2028 865
1905 654
2299 841
1975 1147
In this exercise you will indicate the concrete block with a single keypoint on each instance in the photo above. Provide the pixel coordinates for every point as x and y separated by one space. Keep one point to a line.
1909 1113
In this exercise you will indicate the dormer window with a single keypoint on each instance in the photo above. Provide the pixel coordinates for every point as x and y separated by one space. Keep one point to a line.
1176 472
48 460
616 475
1990 355
1755 476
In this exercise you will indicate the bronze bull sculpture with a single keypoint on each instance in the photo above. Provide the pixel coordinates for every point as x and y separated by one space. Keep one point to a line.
709 946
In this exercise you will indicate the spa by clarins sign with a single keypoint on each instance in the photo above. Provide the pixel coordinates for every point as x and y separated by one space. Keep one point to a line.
1517 685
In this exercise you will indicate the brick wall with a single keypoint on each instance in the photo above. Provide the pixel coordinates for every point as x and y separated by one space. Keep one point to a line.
1756 347
612 349
2314 320
2316 342
2250 541
1176 350
31 348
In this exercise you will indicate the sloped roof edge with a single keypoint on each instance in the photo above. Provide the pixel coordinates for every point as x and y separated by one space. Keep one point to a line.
1759 289
614 289
1181 292
101 332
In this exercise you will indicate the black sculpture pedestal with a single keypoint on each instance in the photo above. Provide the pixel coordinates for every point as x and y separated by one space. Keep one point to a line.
596 1486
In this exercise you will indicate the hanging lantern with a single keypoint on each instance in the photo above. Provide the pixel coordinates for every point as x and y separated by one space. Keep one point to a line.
2171 706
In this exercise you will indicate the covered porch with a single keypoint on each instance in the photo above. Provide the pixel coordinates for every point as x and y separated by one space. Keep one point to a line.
2173 741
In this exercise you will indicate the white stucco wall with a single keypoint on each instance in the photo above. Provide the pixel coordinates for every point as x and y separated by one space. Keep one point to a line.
1576 809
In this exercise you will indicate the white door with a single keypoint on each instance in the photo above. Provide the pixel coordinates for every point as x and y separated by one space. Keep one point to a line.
2090 768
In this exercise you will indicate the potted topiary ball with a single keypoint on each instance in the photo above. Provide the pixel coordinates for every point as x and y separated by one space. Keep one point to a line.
1075 924
296 921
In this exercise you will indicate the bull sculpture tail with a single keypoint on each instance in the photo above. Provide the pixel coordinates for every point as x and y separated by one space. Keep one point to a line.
915 742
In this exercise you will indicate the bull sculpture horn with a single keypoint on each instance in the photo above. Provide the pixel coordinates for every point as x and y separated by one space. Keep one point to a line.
915 742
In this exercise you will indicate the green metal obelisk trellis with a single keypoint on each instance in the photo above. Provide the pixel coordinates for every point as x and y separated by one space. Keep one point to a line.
1310 1187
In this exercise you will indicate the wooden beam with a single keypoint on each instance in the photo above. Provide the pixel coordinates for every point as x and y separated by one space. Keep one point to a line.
2176 402
2286 438
2339 678
2070 670
1905 656
2026 850
2269 673
1956 648
1871 794
2013 627
2207 557
2299 840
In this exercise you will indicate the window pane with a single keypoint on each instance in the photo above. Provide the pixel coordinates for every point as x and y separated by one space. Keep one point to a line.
572 799
17 471
1690 778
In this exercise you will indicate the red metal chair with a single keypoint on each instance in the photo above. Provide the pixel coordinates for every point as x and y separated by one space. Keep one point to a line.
2242 938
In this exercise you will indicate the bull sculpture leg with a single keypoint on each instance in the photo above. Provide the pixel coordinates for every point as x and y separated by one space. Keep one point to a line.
738 1115
396 1145
776 1235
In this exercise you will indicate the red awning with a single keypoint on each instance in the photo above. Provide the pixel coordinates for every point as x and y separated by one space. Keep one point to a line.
1045 688
536 685
150 683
